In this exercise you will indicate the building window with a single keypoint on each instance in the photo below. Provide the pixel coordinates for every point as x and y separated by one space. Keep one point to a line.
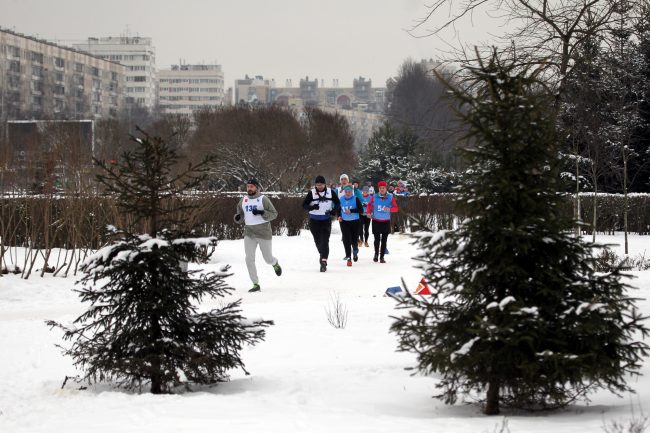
79 93
130 100
78 67
14 66
37 86
37 100
97 84
114 76
79 80
59 62
37 71
80 107
59 105
13 81
58 76
140 78
58 89
94 71
13 51
37 57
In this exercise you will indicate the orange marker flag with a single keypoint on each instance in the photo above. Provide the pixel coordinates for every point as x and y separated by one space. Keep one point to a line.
422 288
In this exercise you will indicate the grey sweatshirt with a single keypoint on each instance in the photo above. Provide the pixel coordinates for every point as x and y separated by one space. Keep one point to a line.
261 231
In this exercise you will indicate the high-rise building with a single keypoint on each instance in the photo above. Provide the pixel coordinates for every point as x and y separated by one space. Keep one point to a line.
42 80
185 88
138 55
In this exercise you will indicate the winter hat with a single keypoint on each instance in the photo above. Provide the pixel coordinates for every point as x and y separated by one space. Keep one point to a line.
381 183
253 181
366 189
320 179
346 187
344 176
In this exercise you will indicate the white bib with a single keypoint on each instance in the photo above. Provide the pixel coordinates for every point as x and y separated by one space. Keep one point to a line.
248 205
323 205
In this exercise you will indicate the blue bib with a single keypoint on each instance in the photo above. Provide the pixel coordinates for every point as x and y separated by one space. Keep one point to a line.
381 207
349 204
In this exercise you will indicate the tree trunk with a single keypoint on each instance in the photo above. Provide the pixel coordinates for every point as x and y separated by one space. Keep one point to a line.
594 216
577 205
625 199
492 403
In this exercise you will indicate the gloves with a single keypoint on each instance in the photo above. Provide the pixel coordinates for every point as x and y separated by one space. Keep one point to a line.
313 207
257 212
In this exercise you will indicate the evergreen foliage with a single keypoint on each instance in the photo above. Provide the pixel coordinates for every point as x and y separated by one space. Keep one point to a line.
143 325
392 155
518 312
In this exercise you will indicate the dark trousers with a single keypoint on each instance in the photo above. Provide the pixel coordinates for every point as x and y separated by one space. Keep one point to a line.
364 228
349 231
380 230
321 230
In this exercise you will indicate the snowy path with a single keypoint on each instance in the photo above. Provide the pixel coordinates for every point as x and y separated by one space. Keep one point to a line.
306 377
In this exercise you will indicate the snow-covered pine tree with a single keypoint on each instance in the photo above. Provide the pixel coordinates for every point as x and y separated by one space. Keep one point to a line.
518 312
143 325
389 153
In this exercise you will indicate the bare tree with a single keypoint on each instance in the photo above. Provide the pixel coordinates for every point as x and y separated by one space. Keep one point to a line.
548 32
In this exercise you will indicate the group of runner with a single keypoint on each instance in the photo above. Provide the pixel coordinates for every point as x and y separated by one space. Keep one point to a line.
355 209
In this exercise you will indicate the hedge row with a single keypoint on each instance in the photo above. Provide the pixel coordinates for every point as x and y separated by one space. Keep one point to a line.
79 222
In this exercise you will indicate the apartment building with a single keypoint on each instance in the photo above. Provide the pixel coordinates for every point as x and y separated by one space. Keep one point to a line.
186 88
138 55
42 80
253 90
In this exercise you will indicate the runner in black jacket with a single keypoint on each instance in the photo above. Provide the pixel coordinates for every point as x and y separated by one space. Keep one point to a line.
323 204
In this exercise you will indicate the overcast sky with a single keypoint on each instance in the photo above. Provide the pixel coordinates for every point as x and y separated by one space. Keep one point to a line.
278 39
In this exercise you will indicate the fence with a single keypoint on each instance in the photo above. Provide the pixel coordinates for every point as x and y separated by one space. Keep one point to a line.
77 224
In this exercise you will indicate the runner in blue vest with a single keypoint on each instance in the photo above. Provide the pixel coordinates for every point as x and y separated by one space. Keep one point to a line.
379 208
349 221
322 204
364 227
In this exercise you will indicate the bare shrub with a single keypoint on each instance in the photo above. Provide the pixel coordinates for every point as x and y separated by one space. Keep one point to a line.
336 312
636 424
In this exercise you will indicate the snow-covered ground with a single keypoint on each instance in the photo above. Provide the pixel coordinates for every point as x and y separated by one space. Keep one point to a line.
306 377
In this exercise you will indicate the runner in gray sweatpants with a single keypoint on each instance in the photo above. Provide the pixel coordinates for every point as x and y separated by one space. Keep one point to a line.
256 212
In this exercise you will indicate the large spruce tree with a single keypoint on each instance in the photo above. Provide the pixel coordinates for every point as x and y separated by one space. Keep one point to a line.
143 325
519 316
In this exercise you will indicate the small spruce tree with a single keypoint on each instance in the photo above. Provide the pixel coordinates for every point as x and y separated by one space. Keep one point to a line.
518 311
143 325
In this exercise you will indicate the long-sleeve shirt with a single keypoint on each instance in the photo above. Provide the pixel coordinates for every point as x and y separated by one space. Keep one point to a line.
260 231
336 204
371 206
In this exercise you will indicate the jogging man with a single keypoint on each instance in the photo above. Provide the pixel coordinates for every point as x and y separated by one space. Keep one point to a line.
323 204
256 212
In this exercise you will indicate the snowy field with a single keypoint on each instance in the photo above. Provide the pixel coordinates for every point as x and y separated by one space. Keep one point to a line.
306 377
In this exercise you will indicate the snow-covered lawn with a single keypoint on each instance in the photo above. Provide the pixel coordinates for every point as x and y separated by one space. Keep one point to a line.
306 377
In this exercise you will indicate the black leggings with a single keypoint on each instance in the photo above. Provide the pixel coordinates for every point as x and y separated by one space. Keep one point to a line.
349 231
380 230
321 230
364 228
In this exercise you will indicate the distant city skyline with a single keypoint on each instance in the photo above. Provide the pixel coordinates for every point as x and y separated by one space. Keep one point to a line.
280 40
